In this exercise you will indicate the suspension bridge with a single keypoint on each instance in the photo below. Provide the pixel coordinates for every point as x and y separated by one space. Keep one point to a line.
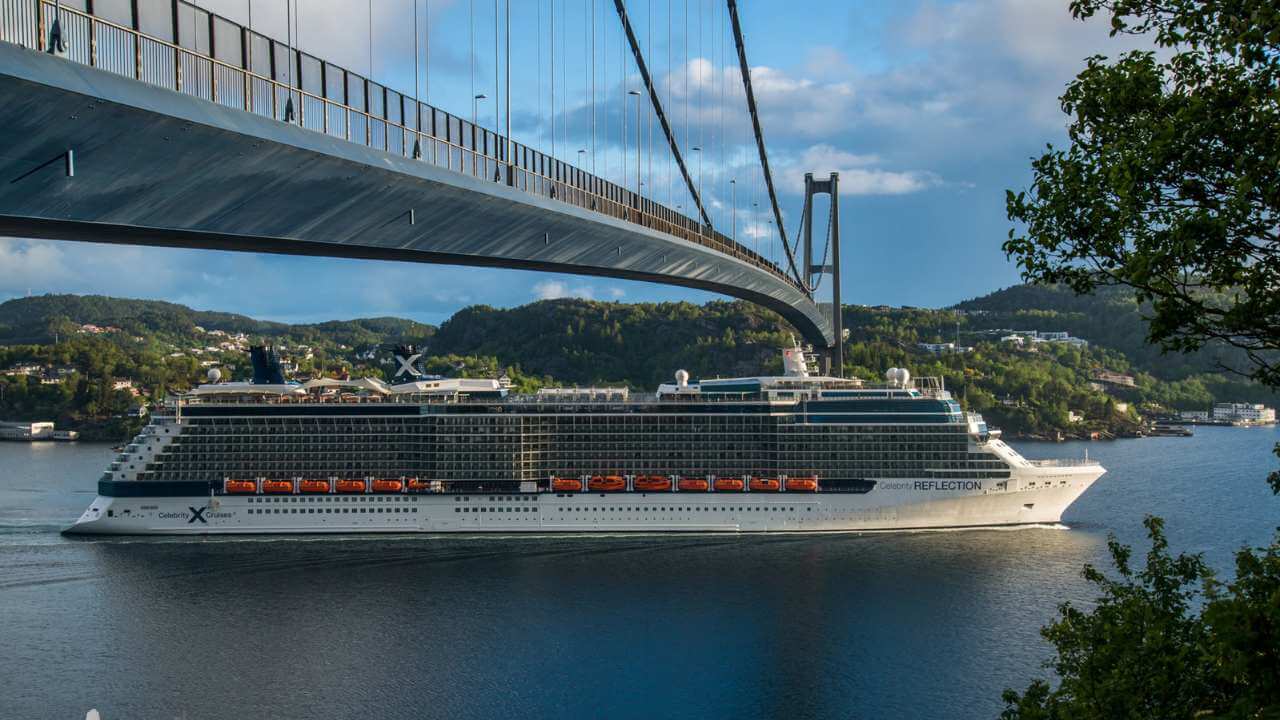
157 122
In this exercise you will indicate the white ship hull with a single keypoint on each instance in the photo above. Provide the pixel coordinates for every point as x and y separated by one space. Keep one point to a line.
1034 496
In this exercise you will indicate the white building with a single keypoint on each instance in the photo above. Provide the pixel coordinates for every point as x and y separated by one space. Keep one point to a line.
26 430
1194 415
943 348
1250 412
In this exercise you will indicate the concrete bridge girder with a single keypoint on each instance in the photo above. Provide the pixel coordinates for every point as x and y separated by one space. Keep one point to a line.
157 167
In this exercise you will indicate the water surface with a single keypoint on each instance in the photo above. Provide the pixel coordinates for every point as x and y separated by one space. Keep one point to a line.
798 626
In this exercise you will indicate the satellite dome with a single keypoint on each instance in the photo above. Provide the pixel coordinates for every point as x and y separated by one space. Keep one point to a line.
214 375
897 376
682 377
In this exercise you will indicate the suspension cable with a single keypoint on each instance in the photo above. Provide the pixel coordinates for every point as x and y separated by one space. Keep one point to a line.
497 68
755 123
657 108
426 53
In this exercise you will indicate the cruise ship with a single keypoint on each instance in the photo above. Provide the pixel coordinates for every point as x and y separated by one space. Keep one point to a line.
797 452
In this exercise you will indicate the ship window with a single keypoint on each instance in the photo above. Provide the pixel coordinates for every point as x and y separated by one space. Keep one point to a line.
415 509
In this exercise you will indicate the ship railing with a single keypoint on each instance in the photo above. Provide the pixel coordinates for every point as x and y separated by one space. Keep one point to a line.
1064 462
522 400
207 56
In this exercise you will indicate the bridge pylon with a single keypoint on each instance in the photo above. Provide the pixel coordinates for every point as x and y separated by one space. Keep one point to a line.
829 264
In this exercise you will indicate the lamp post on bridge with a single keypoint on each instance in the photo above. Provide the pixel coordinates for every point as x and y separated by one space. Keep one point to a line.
475 108
698 149
581 152
755 208
733 193
636 94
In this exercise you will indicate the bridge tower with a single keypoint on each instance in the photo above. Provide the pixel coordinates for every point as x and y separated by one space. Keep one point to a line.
829 264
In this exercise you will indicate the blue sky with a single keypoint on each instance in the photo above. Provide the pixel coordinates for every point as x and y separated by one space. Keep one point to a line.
929 110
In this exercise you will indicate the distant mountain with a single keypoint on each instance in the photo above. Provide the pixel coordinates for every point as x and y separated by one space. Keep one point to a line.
1110 317
36 319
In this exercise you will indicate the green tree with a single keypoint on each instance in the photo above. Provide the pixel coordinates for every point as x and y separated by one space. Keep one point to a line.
1165 641
1170 186
1171 183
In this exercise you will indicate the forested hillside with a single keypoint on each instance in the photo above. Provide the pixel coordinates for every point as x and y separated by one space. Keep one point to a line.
113 355
1110 317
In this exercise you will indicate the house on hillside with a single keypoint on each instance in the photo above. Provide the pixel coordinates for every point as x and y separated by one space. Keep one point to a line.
24 369
1116 379
943 348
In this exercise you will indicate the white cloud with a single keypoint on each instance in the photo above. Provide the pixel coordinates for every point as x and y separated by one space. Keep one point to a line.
556 289
859 174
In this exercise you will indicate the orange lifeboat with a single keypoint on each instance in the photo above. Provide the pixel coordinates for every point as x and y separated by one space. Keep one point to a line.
765 485
277 486
314 486
241 487
729 484
607 483
416 484
653 483
802 484
566 484
351 486
693 484
387 486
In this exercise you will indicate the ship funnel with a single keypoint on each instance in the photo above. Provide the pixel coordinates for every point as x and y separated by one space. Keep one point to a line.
407 357
266 365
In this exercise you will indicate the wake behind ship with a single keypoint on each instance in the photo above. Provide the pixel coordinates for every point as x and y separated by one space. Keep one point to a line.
794 452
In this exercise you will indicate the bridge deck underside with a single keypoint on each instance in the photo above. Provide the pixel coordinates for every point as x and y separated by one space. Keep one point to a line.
156 167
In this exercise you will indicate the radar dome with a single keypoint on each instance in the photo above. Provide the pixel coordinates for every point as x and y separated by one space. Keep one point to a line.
682 377
214 375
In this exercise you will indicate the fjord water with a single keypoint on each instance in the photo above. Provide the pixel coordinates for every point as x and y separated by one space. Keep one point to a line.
796 626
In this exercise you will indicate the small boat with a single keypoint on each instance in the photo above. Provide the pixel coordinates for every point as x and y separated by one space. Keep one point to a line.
652 483
566 484
607 483
240 487
693 484
802 484
416 484
765 485
282 487
314 486
1168 430
729 484
351 486
387 486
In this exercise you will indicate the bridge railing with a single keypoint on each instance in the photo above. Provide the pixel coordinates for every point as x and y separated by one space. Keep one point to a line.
176 45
